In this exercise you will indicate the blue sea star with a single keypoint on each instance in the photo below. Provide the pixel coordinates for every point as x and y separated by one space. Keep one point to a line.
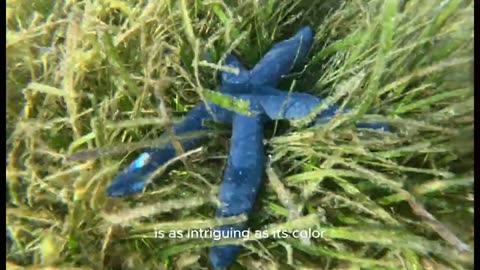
245 166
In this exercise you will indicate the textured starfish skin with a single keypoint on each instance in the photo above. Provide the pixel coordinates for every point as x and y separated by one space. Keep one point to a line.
241 181
244 170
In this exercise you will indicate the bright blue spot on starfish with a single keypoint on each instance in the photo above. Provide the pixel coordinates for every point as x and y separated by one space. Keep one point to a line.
141 161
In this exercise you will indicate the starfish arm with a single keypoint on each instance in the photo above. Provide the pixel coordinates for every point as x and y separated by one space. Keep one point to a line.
288 106
241 181
279 105
232 82
281 58
298 105
326 115
133 178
